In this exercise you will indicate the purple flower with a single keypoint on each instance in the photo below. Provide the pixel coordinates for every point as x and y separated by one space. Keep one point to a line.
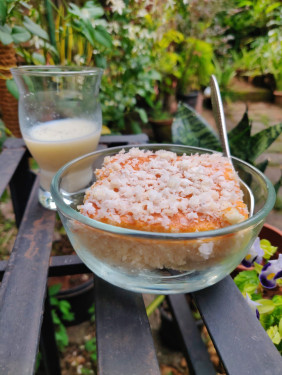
255 254
271 272
252 304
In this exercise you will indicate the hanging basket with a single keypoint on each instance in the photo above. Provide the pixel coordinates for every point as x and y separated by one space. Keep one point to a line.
8 103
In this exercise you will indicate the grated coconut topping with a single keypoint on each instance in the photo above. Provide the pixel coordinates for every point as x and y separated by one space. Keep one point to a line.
156 187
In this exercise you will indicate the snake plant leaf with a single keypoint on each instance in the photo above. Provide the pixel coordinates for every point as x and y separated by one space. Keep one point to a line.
262 140
262 166
278 184
239 138
189 128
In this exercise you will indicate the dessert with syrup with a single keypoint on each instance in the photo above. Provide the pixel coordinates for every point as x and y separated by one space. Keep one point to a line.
163 192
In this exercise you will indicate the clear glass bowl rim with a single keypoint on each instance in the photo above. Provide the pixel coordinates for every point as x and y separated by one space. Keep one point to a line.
75 215
55 70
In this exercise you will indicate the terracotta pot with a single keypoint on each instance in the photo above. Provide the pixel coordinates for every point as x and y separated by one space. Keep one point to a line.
278 97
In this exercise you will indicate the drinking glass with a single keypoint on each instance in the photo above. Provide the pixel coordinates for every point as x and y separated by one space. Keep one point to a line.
60 116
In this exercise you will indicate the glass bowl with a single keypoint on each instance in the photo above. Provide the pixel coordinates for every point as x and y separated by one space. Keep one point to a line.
134 259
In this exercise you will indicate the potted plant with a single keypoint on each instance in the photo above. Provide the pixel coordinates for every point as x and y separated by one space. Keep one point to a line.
161 120
195 68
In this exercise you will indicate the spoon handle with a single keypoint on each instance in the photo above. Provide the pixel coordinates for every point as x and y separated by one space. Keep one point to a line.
219 115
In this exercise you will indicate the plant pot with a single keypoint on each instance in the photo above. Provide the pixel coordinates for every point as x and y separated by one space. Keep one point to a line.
278 98
191 98
162 130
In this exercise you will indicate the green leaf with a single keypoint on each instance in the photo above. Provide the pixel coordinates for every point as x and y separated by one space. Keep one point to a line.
262 166
273 333
273 6
34 28
12 88
102 36
277 300
20 34
258 267
267 320
262 140
91 345
94 10
38 59
5 38
54 301
100 61
65 308
266 306
239 138
3 12
143 115
247 281
189 128
268 249
61 336
278 184
54 289
6 29
55 317
135 127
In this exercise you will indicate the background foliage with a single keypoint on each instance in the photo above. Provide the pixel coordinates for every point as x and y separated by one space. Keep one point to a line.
151 50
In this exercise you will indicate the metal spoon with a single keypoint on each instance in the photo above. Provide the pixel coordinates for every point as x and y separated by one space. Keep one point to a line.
221 126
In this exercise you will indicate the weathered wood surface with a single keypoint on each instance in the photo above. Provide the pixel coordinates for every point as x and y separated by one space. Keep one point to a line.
240 340
124 341
23 290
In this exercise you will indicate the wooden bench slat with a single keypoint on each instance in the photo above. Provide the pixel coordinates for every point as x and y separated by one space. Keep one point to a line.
241 341
23 289
13 152
129 139
61 265
194 349
124 341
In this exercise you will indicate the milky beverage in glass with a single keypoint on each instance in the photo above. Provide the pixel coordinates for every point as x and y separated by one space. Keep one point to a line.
54 143
60 117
